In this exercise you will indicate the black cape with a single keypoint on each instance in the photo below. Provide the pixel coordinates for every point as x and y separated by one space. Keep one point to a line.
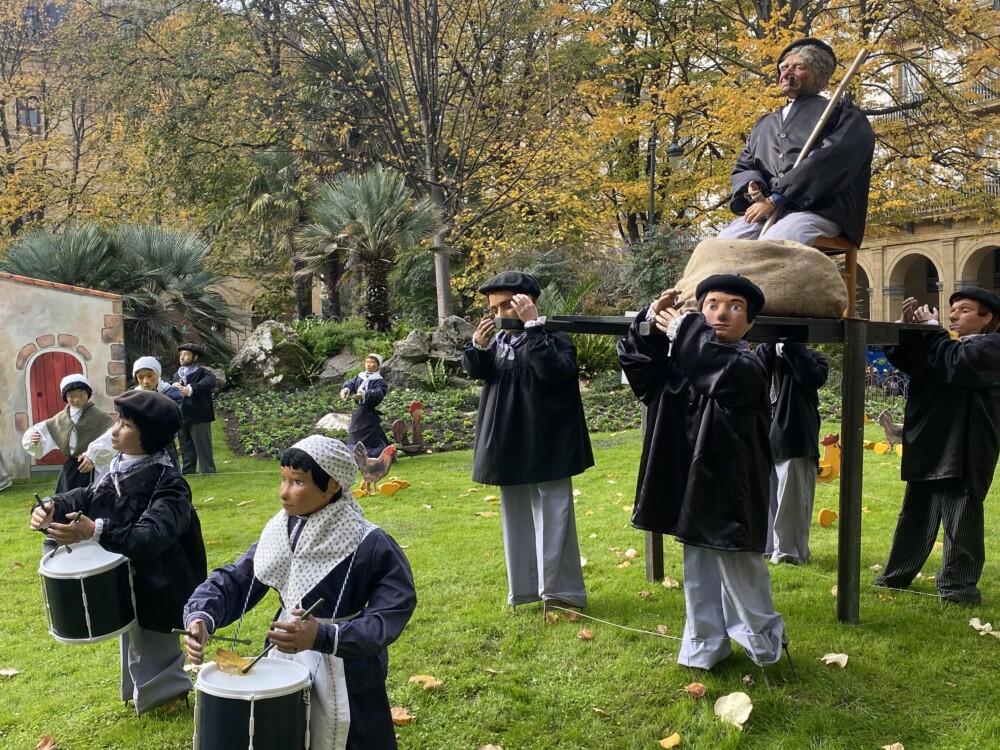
530 427
798 373
705 470
951 427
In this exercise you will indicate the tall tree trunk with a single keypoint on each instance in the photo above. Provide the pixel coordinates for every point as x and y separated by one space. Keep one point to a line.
376 295
301 283
332 272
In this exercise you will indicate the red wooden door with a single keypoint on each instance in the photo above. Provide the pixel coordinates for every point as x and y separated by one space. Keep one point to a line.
47 371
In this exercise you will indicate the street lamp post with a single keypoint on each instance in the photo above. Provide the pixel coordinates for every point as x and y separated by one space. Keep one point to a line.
674 152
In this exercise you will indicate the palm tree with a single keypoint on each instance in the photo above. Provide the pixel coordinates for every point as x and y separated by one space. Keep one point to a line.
372 218
275 197
167 289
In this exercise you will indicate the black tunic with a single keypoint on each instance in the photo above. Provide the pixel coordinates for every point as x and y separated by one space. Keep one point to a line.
366 420
705 470
951 427
154 525
832 181
800 372
531 427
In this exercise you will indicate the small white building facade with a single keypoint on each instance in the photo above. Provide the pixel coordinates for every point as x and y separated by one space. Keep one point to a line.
49 331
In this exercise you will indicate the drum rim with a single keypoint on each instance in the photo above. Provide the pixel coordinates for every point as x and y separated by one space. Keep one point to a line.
115 559
223 691
86 641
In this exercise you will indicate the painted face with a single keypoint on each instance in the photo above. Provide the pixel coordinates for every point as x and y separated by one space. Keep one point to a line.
727 314
299 494
147 379
187 358
965 317
795 76
77 397
126 438
500 304
371 364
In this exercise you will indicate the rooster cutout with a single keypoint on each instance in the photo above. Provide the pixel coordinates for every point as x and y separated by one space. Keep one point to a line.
829 464
400 432
372 469
893 431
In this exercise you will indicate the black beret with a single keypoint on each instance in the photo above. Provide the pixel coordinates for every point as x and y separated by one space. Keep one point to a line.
157 415
980 295
518 282
812 42
193 348
733 284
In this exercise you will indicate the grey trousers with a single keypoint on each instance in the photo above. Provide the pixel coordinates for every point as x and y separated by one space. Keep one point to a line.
793 492
540 544
196 446
152 668
800 226
926 505
728 595
5 479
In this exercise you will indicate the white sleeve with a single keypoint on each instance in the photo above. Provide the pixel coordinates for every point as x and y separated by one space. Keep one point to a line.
100 451
43 446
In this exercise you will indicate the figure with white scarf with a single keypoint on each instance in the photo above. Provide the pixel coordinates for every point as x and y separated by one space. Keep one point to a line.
321 546
141 509
76 431
368 389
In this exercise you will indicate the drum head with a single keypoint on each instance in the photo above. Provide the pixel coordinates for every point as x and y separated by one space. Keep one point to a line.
87 559
269 678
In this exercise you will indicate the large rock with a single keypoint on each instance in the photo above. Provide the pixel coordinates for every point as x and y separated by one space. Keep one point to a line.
411 356
273 354
340 368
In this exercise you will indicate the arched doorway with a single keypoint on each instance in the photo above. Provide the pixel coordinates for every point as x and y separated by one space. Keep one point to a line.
45 372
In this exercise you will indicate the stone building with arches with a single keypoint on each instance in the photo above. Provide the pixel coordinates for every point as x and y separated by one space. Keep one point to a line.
928 260
51 330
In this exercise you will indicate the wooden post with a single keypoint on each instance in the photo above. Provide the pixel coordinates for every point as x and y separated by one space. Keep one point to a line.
852 450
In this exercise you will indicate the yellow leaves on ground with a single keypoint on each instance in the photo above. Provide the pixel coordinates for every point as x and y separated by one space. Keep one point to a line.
671 583
551 618
662 629
839 659
243 504
833 591
672 741
426 681
601 712
17 565
48 742
983 629
631 553
827 517
570 616
487 514
894 746
645 594
583 561
488 747
230 662
734 709
586 634
8 672
494 499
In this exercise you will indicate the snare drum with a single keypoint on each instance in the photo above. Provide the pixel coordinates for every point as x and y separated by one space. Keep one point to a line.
267 709
88 593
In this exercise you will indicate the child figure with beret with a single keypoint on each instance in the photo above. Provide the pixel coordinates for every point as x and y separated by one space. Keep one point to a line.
141 509
321 546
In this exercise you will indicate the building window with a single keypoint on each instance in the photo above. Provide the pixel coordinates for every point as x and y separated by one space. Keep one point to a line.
29 116
932 278
911 86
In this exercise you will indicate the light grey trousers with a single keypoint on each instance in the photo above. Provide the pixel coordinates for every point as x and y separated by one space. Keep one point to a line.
800 226
793 493
540 544
728 595
152 668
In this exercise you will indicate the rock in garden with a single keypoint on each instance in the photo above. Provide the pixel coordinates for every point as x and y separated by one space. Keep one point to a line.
273 354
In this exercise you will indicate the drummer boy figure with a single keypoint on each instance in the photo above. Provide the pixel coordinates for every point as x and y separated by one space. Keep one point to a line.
320 546
141 509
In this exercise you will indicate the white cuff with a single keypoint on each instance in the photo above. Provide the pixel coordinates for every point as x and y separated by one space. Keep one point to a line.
534 323
336 638
779 349
98 530
674 325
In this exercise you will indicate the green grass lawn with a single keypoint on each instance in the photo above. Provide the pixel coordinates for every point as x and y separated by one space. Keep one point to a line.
917 674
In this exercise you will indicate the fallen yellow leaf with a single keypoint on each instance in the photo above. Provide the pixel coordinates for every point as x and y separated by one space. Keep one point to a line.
734 709
232 663
570 616
631 553
662 629
602 713
672 741
551 617
244 503
671 583
839 659
426 681
586 634
488 747
894 746
47 742
645 594
401 716
696 690
8 672
492 498
624 564
833 591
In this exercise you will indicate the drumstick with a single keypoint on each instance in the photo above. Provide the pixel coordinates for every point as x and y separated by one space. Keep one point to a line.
244 641
267 650
39 503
